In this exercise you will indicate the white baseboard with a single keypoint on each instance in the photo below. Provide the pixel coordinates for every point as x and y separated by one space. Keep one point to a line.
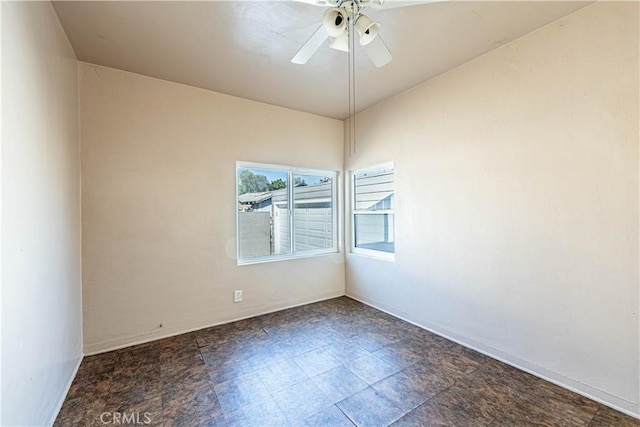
66 391
122 342
586 390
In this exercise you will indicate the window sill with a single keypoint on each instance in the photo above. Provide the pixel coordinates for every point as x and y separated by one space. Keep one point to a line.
276 258
378 255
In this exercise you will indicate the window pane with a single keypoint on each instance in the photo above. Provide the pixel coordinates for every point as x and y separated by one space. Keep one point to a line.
263 216
375 232
313 212
374 190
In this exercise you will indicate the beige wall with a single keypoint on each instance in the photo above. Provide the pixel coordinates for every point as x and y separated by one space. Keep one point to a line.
517 203
159 209
41 268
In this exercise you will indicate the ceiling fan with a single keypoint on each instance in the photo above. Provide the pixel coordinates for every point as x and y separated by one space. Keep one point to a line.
338 21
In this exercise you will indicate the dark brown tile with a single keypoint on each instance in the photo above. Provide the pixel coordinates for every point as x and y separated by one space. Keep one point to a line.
327 335
221 353
90 387
545 401
300 345
183 406
304 324
470 354
406 421
316 362
191 421
178 348
301 400
229 372
370 408
429 377
263 346
346 351
213 336
281 375
390 329
87 396
479 396
330 417
398 356
141 384
372 341
248 337
187 370
125 412
238 392
371 369
177 342
506 374
137 364
246 326
189 382
284 320
424 342
268 356
454 364
134 394
607 417
339 383
433 413
523 412
138 356
81 411
231 332
97 364
224 365
259 413
349 326
409 392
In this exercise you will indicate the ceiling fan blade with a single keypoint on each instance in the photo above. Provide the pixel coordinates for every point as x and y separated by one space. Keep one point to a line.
378 52
311 46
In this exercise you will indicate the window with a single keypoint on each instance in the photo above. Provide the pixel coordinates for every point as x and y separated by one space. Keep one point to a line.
373 221
268 228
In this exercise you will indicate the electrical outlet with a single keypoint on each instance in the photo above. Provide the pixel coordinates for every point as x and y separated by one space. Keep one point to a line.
237 296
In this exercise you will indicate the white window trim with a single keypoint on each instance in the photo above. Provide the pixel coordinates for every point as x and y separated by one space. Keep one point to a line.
370 253
291 171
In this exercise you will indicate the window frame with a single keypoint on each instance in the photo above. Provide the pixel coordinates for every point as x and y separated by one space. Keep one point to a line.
371 253
291 172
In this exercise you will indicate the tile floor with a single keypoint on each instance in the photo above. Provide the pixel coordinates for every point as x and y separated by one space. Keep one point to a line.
334 363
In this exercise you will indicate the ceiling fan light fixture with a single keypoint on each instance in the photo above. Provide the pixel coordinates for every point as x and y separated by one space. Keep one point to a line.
334 21
367 29
341 42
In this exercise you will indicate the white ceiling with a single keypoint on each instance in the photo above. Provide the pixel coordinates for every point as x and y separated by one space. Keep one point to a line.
243 48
